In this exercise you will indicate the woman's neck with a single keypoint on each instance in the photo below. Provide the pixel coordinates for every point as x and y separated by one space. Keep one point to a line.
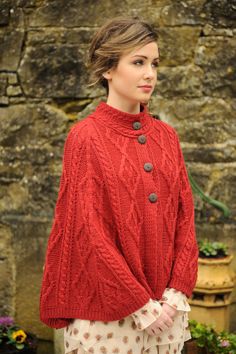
133 108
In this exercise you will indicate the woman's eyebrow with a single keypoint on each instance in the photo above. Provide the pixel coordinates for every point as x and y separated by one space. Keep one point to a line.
143 56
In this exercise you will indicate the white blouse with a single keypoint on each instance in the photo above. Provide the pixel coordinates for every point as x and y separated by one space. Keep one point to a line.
88 333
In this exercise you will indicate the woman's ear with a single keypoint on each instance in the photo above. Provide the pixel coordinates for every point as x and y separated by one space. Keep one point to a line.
107 75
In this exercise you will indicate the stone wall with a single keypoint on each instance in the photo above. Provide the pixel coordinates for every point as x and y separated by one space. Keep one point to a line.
43 92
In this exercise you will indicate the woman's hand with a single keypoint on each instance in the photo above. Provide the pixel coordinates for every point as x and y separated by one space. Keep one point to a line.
164 321
171 311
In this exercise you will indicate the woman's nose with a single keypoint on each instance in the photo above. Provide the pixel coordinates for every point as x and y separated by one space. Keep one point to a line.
150 73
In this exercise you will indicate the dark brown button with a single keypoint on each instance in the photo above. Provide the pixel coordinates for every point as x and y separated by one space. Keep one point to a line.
142 139
148 166
152 197
136 125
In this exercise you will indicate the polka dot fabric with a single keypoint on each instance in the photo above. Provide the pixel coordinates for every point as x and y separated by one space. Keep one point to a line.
128 335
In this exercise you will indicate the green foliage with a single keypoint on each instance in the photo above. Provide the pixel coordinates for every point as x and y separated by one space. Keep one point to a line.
207 199
208 249
207 337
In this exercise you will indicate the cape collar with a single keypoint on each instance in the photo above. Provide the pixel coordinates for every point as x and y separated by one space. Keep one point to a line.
123 122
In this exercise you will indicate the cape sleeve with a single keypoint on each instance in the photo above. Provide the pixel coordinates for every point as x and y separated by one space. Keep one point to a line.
184 270
85 275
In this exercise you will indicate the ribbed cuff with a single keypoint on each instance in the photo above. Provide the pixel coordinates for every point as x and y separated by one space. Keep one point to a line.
181 285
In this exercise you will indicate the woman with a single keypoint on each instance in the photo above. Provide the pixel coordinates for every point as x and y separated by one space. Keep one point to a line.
122 254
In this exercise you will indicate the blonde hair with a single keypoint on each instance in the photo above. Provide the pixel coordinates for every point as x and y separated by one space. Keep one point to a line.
117 36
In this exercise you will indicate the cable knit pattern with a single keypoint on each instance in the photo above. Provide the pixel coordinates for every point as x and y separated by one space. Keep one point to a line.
123 226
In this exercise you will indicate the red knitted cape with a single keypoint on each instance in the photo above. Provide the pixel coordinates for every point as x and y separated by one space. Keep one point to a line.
123 227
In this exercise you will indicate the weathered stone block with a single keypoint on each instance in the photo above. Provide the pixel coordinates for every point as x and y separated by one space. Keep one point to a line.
12 78
202 120
216 56
75 36
15 197
77 12
29 244
209 30
4 13
221 13
3 84
201 132
10 48
17 99
17 17
183 13
210 153
27 3
32 143
43 65
172 39
180 81
6 271
30 125
4 101
14 90
192 109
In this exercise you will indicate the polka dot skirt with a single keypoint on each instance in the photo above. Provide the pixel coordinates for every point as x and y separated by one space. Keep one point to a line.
128 335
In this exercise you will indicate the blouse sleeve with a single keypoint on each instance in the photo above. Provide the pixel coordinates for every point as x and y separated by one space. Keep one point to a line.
178 333
176 299
184 270
147 314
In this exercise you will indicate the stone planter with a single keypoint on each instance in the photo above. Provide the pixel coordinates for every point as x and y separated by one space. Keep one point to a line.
215 274
212 294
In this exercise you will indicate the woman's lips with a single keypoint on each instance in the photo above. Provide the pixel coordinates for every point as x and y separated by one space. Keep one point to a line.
146 88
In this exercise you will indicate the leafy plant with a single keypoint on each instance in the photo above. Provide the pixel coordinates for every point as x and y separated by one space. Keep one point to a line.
13 335
207 199
207 337
208 249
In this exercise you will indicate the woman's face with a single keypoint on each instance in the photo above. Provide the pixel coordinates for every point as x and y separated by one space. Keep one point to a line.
134 70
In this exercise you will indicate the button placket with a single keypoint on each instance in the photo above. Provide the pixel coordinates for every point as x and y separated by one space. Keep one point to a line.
148 166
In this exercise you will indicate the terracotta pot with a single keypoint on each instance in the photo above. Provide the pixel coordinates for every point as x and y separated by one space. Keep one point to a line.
190 347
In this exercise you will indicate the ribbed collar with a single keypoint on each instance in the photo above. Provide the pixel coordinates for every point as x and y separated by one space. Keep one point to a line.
121 121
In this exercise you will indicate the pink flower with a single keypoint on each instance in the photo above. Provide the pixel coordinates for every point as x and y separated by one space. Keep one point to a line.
6 321
224 343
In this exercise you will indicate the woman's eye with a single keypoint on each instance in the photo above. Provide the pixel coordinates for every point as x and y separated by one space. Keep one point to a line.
156 64
138 62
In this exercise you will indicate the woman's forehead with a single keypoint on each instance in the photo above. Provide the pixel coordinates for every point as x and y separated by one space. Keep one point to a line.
149 50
